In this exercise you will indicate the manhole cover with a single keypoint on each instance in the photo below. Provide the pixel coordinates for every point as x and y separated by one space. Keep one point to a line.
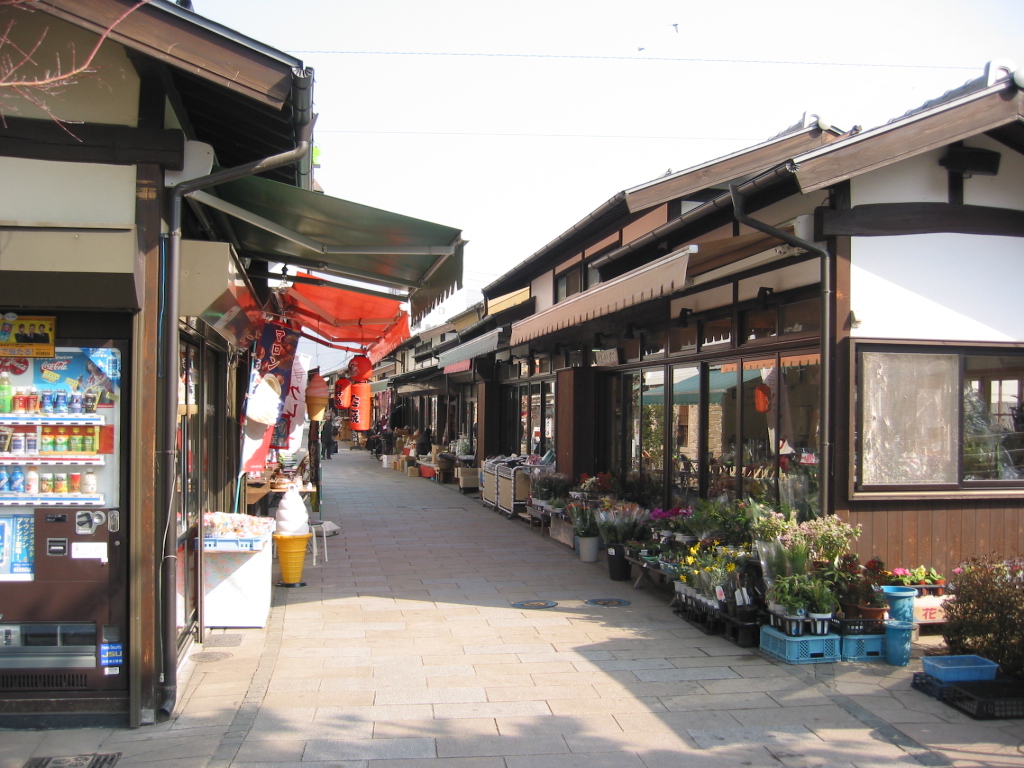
223 641
209 656
608 602
95 760
534 604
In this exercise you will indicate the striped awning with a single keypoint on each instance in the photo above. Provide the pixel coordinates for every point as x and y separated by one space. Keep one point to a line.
661 278
481 345
380 385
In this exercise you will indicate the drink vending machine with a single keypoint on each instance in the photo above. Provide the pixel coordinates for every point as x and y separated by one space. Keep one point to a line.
63 543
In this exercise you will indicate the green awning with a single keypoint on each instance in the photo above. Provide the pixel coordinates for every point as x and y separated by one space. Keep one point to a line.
280 223
687 391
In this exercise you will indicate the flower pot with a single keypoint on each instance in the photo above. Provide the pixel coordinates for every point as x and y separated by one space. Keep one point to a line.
940 587
588 549
619 568
871 612
850 610
793 625
819 623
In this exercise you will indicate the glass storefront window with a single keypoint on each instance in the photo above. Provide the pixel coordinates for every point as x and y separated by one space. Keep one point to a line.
760 324
524 421
720 430
801 317
548 393
685 432
799 437
652 344
993 437
682 339
717 332
759 436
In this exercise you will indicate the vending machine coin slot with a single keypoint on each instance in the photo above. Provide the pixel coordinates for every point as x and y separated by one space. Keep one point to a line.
86 521
57 547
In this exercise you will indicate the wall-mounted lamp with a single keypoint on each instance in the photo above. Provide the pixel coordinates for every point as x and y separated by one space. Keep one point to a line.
630 332
854 320
683 320
763 293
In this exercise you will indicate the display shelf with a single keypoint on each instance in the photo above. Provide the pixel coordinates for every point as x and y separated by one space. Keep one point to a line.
52 419
52 500
52 460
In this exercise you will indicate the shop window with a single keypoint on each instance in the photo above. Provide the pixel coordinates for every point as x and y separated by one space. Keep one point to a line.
644 421
528 416
652 344
685 429
800 317
939 420
716 332
682 339
760 324
797 437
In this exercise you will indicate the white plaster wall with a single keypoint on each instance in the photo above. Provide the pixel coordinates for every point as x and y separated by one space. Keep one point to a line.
1002 191
39 193
938 287
543 291
109 94
918 180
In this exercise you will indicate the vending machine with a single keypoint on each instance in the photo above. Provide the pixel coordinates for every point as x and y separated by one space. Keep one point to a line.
63 542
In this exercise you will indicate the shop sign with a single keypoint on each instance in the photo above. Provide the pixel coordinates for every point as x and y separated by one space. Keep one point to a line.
26 336
605 357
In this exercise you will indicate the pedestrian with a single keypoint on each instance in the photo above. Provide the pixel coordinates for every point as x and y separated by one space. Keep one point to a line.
328 439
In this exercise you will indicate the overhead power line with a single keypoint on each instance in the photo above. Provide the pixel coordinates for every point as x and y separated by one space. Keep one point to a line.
544 135
636 58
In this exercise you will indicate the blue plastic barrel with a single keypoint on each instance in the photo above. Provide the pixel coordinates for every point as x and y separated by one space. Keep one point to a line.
897 642
901 602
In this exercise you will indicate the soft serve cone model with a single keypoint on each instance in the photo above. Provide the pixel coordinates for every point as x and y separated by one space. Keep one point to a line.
291 537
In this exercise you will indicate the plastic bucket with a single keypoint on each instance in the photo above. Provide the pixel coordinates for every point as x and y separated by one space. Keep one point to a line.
898 636
619 568
901 602
588 549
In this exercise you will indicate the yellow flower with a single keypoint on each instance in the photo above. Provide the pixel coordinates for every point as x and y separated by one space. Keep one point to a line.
730 567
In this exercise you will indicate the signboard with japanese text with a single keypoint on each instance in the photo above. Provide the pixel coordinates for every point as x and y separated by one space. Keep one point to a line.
26 336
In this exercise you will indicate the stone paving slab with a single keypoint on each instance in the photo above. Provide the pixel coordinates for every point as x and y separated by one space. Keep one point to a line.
404 651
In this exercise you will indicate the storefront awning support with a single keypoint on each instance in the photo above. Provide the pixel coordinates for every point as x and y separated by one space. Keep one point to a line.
167 366
825 417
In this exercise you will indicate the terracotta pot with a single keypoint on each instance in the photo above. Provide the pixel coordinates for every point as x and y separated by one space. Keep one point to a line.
872 613
850 610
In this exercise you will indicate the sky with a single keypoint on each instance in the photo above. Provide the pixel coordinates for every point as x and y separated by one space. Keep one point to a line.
514 120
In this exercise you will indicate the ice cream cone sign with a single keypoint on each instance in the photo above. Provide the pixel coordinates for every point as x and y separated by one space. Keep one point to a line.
317 397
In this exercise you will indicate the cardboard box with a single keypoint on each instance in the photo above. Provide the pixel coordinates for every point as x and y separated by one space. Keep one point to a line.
412 472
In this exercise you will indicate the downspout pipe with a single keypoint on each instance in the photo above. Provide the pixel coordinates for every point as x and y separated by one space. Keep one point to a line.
825 417
167 366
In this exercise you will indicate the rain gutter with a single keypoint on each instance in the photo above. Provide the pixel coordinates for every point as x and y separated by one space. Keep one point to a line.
825 419
167 366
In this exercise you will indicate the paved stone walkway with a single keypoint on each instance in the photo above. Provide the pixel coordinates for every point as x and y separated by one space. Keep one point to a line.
404 651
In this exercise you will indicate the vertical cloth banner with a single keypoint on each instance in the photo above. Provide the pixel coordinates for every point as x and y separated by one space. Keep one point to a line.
270 380
288 434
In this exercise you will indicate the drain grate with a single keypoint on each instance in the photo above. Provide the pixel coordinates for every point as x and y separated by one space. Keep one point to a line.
95 760
209 656
223 641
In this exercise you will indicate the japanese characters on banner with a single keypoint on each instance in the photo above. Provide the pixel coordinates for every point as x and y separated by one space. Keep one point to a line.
270 382
24 336
288 432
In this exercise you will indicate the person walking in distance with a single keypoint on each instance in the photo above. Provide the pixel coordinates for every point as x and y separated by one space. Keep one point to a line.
328 439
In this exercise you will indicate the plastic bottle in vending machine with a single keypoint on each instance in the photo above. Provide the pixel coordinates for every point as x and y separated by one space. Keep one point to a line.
46 441
75 440
5 481
60 401
31 480
75 402
32 401
17 480
32 443
18 401
60 441
6 393
46 401
18 444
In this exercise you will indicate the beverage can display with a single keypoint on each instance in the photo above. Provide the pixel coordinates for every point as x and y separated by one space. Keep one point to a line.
17 481
75 403
46 442
60 401
74 482
89 482
88 443
32 443
89 401
46 401
75 441
17 443
46 482
5 481
60 483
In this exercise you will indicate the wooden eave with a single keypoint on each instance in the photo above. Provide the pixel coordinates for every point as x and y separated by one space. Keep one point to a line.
996 111
727 169
193 47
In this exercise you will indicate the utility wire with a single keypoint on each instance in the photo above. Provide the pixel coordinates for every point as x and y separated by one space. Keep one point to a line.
634 58
543 135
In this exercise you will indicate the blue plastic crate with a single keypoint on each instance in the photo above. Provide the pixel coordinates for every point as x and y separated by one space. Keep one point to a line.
863 648
810 649
953 669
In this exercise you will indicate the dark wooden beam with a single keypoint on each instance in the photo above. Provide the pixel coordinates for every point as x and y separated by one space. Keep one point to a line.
91 143
918 219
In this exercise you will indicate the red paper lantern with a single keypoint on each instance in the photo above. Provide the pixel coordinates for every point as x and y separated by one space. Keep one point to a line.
360 368
361 415
762 398
342 394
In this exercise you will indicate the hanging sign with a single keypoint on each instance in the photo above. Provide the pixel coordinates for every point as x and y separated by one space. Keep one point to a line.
343 394
360 368
26 336
268 385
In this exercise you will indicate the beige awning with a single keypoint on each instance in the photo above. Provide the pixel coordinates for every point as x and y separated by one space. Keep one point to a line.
661 278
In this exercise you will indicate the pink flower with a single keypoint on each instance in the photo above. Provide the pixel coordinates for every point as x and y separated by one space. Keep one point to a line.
901 572
958 570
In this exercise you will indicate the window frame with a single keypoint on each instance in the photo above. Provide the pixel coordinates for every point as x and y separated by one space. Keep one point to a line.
961 489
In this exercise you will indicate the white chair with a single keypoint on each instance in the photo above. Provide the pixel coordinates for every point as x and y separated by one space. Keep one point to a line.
314 526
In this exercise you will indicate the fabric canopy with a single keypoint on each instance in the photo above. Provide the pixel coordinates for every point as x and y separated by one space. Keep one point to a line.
340 315
481 345
687 391
280 223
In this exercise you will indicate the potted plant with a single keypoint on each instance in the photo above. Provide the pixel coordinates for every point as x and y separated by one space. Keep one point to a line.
585 527
872 603
821 603
938 580
790 593
618 523
828 537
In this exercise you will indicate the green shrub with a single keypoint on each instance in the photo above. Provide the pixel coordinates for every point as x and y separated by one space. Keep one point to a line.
986 614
